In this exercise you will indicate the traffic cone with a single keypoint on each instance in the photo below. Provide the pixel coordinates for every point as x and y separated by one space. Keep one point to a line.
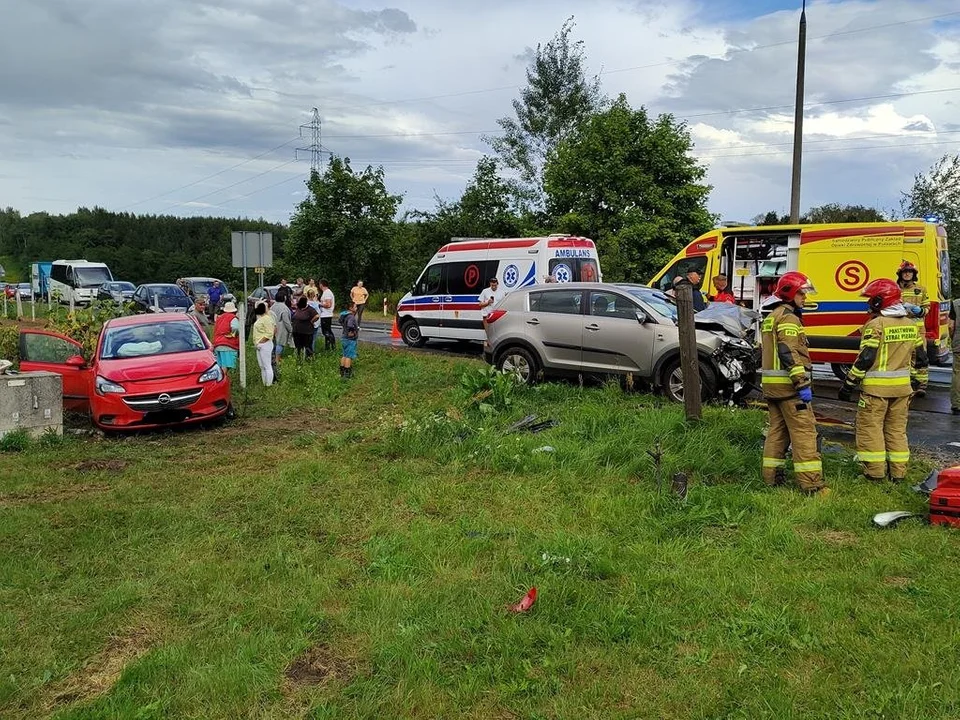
395 331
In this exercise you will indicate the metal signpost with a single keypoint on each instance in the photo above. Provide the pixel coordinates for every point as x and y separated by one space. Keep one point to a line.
249 249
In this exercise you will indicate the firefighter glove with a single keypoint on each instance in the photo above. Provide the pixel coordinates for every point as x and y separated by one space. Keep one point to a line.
845 392
805 394
915 310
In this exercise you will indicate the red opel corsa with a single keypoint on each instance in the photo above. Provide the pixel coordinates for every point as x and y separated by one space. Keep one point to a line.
147 371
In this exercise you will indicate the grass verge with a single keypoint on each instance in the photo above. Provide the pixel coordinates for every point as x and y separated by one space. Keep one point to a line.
348 550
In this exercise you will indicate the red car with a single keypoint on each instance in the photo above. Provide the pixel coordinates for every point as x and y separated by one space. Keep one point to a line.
147 371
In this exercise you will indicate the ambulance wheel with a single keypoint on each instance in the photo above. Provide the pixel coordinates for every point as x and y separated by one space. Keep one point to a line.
840 370
671 381
410 332
520 363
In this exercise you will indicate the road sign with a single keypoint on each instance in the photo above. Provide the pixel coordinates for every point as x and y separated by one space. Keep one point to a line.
252 249
258 270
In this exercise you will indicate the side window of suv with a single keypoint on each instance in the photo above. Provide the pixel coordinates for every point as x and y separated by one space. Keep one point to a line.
565 302
611 305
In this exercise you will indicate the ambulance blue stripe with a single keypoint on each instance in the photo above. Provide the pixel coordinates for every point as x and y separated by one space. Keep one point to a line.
531 277
428 299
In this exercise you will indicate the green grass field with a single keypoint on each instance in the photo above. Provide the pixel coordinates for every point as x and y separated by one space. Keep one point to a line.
349 550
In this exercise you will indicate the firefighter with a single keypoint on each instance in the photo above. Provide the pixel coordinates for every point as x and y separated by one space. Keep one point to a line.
891 366
915 298
786 386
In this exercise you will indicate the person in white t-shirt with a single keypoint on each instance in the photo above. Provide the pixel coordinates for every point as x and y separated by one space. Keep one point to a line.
327 303
488 298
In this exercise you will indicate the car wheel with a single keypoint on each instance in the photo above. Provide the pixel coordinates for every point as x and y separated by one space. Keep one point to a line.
411 334
671 381
841 370
520 363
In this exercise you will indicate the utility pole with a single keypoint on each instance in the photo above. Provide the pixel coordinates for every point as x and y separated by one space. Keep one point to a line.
798 119
315 148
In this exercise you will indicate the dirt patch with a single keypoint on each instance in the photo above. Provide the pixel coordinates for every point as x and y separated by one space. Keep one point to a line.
101 672
51 495
96 465
897 581
317 665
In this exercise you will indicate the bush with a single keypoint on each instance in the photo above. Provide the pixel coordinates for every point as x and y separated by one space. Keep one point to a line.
488 390
83 324
10 343
15 441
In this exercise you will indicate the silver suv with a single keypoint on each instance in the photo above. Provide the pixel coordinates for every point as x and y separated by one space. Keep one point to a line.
605 329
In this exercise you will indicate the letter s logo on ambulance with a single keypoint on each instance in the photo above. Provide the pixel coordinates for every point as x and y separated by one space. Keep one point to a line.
852 275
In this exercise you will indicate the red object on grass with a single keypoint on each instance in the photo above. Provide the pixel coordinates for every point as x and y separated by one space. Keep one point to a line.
526 603
945 499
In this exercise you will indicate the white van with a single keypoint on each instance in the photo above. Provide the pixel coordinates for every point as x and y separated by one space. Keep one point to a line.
444 303
77 280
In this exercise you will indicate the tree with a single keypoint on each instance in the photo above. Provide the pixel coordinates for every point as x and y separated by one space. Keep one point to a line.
938 193
343 229
632 185
829 213
557 99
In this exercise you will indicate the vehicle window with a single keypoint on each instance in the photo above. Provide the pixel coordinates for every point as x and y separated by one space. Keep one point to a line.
148 340
680 269
659 303
430 281
470 278
259 293
58 273
566 302
46 348
945 282
612 305
91 276
573 270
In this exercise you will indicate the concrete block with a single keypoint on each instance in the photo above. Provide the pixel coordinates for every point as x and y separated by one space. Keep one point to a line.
31 401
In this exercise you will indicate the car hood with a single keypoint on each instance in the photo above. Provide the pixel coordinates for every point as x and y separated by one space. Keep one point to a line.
156 367
732 320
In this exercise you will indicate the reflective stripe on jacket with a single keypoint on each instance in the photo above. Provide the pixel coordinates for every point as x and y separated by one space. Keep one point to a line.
894 343
786 356
916 295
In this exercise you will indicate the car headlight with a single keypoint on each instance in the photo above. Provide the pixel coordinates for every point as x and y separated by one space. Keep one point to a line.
105 387
214 374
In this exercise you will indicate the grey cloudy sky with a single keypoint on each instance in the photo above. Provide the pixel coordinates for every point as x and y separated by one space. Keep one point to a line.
192 107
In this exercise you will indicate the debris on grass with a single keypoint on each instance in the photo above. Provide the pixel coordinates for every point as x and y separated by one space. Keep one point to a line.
317 665
526 602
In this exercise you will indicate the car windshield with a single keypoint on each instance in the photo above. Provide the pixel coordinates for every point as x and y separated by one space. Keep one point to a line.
91 276
202 287
165 291
121 287
657 301
155 339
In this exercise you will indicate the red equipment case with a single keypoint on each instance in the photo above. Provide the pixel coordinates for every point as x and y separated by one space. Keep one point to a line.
945 499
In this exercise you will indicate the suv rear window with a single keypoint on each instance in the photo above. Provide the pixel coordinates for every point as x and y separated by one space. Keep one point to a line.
565 302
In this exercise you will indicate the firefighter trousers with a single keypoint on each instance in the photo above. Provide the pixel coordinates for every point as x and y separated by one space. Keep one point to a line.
882 436
792 423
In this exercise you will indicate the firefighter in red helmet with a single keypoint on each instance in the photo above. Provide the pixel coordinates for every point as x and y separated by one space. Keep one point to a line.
914 295
786 378
891 366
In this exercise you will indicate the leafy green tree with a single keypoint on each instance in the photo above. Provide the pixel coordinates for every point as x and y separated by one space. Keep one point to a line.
632 185
937 192
557 99
343 229
829 213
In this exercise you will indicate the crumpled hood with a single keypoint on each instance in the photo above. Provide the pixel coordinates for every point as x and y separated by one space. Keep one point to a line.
731 319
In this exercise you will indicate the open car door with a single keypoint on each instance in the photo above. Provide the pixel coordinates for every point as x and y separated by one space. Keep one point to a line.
52 352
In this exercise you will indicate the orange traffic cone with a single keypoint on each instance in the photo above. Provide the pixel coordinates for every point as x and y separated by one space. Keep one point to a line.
395 331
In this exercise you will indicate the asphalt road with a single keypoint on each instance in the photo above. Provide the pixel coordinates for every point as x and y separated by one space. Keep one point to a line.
932 426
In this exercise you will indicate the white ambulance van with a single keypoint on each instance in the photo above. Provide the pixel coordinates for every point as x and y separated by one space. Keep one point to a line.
444 303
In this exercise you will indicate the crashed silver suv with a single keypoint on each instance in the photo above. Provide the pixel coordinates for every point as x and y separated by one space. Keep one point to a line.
627 330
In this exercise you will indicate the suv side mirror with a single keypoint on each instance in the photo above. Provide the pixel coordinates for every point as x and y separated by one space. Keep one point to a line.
642 317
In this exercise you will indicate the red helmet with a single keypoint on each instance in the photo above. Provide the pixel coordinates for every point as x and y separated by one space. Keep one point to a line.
791 283
881 294
907 266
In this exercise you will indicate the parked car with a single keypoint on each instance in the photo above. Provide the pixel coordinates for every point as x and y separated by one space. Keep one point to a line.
605 329
145 372
267 294
197 287
118 291
25 290
10 291
165 296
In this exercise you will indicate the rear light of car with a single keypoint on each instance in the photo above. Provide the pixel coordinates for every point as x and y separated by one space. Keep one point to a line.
495 315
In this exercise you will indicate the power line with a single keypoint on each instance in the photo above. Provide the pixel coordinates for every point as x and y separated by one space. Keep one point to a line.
209 177
227 187
498 88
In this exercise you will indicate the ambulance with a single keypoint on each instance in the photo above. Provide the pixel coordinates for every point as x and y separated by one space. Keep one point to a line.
840 259
444 303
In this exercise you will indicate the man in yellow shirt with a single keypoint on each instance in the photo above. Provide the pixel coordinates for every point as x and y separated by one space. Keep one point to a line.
359 295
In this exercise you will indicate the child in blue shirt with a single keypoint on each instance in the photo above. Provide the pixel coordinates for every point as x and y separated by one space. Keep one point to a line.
348 340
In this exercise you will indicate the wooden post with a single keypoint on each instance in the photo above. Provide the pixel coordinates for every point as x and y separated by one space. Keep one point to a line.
689 360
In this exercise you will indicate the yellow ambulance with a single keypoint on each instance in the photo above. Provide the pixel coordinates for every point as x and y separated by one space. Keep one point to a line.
840 259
